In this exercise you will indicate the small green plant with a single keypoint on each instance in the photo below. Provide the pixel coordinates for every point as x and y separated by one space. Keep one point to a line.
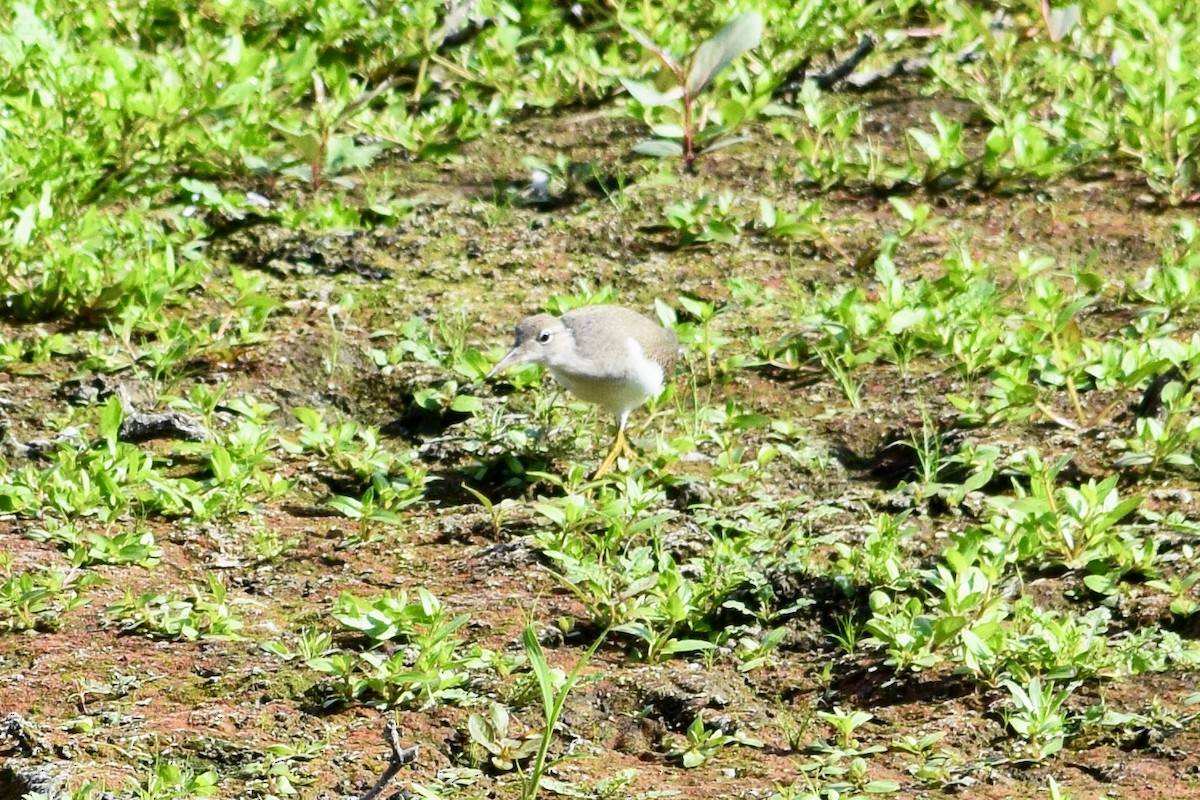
777 222
84 549
1167 444
1182 591
432 667
945 161
168 781
491 732
847 634
685 133
275 775
705 219
646 599
702 743
1035 714
846 723
495 511
698 331
754 650
36 600
321 153
841 767
554 692
930 767
371 512
310 643
203 615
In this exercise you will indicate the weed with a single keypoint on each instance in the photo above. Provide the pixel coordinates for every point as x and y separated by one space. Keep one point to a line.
692 77
203 615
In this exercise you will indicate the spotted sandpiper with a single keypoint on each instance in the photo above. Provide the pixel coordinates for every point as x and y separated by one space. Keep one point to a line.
607 355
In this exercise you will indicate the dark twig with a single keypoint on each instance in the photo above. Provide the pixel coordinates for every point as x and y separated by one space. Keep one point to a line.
831 77
138 427
794 79
907 66
401 757
902 67
842 73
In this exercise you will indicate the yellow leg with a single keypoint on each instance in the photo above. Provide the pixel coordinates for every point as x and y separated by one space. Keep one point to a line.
619 447
626 450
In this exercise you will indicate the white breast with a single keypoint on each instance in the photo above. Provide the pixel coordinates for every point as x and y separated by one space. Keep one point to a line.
645 372
617 391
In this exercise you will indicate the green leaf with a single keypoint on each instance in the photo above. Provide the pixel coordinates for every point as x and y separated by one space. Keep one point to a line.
933 150
307 143
541 670
903 208
726 142
978 480
697 308
466 404
640 586
945 628
275 648
882 787
635 629
26 222
344 154
346 506
658 148
905 319
667 130
739 35
747 422
733 113
648 95
481 734
111 417
686 646
664 56
563 788
1062 20
1101 584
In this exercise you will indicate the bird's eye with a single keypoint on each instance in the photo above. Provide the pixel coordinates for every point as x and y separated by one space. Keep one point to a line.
544 337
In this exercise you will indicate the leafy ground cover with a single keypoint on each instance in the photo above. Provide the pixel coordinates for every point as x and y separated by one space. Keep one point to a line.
917 516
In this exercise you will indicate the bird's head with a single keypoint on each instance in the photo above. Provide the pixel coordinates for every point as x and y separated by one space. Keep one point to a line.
541 339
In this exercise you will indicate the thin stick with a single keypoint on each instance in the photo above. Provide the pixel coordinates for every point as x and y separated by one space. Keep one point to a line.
400 758
794 80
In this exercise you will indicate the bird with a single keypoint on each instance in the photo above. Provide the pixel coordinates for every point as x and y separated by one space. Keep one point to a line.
608 355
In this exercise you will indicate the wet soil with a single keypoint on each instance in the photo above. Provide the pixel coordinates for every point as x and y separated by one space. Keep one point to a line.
466 252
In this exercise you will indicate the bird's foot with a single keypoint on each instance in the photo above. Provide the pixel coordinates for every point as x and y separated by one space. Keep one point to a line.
620 447
626 450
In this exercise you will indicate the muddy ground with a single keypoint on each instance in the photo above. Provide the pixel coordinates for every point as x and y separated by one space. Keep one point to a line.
466 249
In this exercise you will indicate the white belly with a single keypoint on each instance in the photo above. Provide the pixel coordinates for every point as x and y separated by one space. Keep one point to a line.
619 390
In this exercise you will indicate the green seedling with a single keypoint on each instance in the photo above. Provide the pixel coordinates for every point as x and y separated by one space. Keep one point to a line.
430 667
554 692
687 136
491 732
1182 591
321 153
202 615
703 743
38 599
1036 715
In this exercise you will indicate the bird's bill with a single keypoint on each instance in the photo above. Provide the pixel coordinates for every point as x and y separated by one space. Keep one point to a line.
511 358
